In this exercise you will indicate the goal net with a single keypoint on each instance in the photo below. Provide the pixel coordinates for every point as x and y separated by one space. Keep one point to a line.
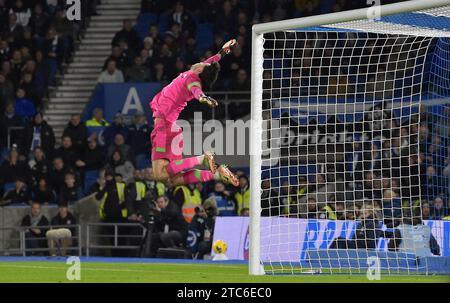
351 142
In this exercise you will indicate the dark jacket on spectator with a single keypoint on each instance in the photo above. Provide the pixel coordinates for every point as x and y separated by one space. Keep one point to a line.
47 137
138 138
26 222
68 220
131 37
69 195
171 216
56 178
39 169
93 158
9 172
43 196
78 134
69 155
17 197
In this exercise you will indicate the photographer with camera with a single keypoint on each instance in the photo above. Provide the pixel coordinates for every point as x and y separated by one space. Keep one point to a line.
201 230
169 229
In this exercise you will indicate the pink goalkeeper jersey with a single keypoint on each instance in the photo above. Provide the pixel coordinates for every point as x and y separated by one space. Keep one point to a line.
169 102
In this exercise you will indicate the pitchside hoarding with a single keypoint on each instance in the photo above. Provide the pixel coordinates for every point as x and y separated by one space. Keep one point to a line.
285 239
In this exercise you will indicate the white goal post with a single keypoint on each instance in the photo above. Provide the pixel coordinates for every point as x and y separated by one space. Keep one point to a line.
321 35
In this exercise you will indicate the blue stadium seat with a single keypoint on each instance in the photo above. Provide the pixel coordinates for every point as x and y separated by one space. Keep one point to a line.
205 36
143 23
90 177
8 186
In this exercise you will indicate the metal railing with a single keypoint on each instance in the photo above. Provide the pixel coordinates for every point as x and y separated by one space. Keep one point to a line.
22 238
92 236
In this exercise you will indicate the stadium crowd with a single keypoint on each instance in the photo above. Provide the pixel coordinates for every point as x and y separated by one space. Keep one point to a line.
39 169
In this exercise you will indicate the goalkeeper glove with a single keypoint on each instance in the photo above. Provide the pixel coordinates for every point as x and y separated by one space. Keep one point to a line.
208 100
226 49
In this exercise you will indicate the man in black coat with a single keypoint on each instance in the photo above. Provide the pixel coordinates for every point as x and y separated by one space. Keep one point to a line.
138 134
35 236
127 34
38 133
77 131
170 228
67 152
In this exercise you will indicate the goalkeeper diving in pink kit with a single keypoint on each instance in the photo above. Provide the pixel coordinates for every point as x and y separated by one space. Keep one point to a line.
167 141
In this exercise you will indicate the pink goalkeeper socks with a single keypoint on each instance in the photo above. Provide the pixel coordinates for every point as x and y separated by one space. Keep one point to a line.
195 176
177 166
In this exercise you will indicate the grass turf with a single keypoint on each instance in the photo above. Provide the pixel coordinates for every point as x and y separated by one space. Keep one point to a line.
31 271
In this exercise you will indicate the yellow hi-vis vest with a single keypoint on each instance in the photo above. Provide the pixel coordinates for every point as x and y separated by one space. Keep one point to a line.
140 190
121 194
446 218
192 199
243 200
94 123
331 214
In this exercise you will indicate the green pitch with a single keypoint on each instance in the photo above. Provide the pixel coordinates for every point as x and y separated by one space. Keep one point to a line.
31 271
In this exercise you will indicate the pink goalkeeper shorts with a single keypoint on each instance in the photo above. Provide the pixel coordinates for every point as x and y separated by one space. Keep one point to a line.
167 140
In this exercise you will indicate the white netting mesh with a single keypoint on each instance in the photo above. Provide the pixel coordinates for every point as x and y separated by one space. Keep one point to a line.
341 171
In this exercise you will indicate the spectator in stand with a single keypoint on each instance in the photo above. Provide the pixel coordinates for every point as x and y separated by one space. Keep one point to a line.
70 193
38 133
138 134
61 220
242 195
92 157
222 200
97 119
67 152
128 34
35 234
111 195
426 211
8 119
138 72
32 91
202 225
42 193
39 21
57 174
392 208
66 32
119 144
116 55
226 20
23 107
187 197
14 167
77 131
22 12
53 49
168 216
6 90
39 165
13 32
160 74
111 74
439 209
184 19
270 204
119 165
116 127
18 195
156 188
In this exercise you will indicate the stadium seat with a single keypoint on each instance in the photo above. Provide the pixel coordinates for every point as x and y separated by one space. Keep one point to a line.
143 23
8 186
90 177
